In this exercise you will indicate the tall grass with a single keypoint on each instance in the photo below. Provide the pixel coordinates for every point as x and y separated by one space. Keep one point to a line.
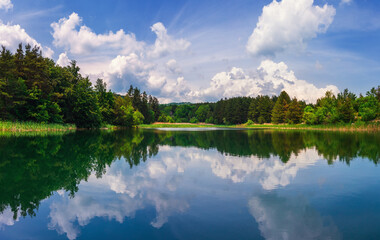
8 126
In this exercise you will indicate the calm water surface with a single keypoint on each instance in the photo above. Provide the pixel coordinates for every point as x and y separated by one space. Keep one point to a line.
209 184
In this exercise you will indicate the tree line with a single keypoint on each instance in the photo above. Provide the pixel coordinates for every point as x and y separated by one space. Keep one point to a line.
35 88
344 107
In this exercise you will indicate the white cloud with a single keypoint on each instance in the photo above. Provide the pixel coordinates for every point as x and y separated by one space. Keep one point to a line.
271 173
132 63
6 4
158 78
166 182
288 24
121 60
63 60
173 67
6 218
293 218
164 43
270 78
12 35
85 207
124 191
85 41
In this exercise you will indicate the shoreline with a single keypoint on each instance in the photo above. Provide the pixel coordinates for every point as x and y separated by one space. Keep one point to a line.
366 127
24 127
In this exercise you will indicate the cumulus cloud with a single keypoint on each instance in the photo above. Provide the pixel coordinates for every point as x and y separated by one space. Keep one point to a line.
166 182
173 66
164 43
63 60
270 78
6 4
271 173
288 24
121 60
294 218
6 218
85 207
138 71
124 191
12 35
85 41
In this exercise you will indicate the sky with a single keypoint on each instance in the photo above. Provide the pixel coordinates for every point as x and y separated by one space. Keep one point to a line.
195 51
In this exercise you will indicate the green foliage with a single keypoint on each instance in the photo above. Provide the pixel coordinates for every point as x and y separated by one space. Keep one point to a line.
369 107
183 113
232 111
85 108
280 108
260 109
329 109
138 118
345 106
309 115
162 118
210 120
170 119
202 112
249 122
123 112
106 101
194 120
294 113
148 106
34 88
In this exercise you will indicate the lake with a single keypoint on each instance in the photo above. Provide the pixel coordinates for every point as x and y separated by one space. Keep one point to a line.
190 184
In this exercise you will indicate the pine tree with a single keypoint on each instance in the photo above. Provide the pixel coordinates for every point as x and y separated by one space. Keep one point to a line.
280 108
294 112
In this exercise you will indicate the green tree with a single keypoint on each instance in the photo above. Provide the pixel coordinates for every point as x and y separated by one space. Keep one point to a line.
308 115
369 107
326 109
280 108
202 112
123 112
294 112
106 101
345 107
85 107
194 120
138 118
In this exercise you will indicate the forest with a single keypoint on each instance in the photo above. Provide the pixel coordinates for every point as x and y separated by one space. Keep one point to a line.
346 107
34 88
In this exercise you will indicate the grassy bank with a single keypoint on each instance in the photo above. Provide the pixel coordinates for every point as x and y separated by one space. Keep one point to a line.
358 126
180 125
8 126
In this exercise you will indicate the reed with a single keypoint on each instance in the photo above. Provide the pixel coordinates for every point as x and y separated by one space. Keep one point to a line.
9 126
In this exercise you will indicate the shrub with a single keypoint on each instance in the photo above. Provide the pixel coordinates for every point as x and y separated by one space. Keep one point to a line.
249 122
194 120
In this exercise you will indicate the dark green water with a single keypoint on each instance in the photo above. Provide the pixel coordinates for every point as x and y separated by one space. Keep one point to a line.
199 184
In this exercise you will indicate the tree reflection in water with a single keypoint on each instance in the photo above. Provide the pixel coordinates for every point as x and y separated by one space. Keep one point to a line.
32 168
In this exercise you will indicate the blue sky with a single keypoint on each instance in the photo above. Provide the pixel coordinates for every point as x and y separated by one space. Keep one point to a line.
206 50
